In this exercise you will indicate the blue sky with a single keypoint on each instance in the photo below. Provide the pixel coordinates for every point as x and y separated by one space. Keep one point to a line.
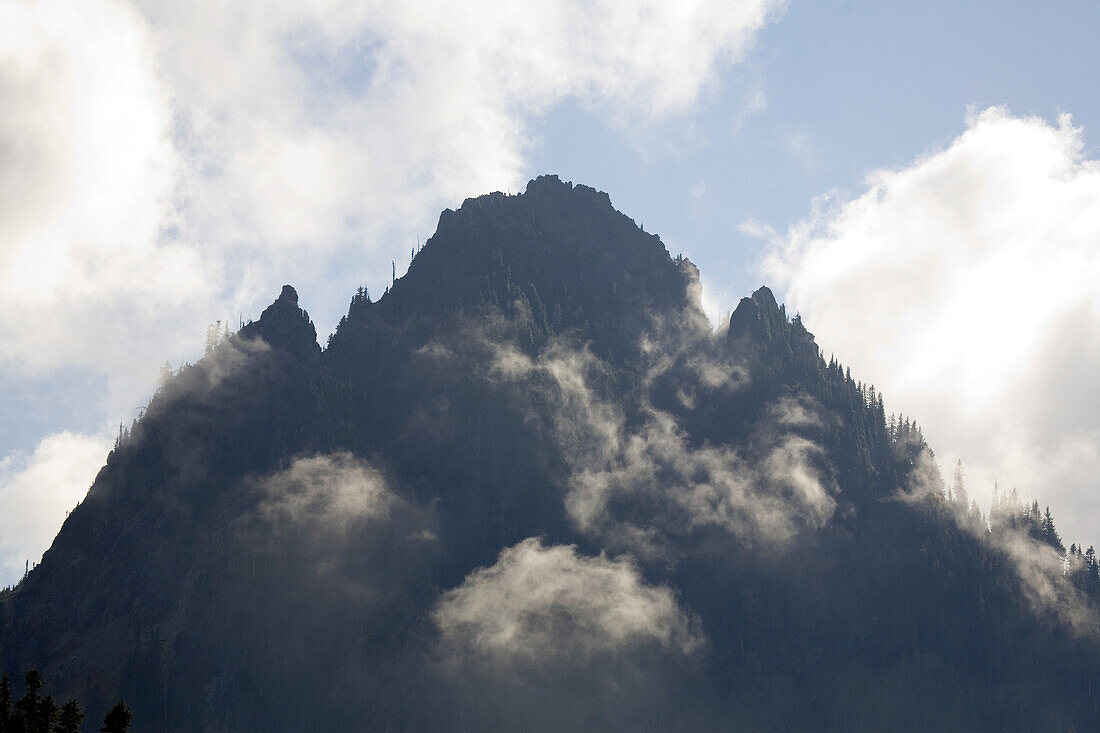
902 173
865 85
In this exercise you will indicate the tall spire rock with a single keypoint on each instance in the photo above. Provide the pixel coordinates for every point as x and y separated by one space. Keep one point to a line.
284 325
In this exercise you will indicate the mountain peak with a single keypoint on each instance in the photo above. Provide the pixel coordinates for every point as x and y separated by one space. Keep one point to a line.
289 295
757 318
300 540
551 186
559 251
764 298
284 325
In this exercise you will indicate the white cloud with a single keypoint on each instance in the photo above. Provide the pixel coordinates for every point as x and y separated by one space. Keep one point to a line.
325 493
544 605
966 287
86 172
634 484
37 491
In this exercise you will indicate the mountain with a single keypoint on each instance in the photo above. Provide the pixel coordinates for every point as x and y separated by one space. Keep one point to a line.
529 488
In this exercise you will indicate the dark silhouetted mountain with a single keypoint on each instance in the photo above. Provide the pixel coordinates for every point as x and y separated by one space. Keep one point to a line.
529 488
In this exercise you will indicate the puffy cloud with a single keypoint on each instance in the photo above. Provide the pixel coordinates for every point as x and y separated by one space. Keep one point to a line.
549 639
546 605
965 287
336 523
37 492
329 492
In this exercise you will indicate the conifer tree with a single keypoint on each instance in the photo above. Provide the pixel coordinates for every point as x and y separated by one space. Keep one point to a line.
1050 534
5 704
958 489
45 716
165 375
70 718
976 513
26 708
117 719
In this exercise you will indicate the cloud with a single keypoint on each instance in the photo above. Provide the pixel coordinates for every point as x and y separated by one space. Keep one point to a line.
753 102
1040 570
637 478
327 492
549 639
38 491
313 128
542 605
964 286
333 521
87 169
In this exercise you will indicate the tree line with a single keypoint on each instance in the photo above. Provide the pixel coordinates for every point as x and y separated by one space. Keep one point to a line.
38 713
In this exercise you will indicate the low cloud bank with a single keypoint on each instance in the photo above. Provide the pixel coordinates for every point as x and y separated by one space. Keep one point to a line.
549 639
540 605
326 492
638 479
334 518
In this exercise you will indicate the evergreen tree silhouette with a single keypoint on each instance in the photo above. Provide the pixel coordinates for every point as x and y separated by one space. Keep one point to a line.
117 719
1050 534
958 487
70 718
26 708
5 704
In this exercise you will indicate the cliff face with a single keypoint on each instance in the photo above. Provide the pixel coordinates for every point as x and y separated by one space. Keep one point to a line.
528 488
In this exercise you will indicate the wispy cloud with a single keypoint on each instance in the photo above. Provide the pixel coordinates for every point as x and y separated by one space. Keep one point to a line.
335 518
166 160
753 102
330 493
636 478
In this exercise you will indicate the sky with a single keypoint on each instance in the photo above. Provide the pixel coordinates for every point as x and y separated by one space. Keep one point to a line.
918 180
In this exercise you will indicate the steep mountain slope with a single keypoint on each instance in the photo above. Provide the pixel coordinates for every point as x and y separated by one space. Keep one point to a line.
528 488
